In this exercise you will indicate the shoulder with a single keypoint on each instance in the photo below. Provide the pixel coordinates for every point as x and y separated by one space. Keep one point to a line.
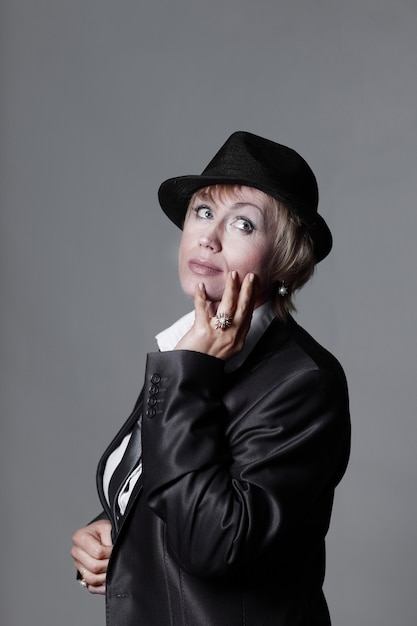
320 358
286 350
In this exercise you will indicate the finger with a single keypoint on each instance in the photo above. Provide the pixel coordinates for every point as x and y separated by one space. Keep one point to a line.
230 296
248 290
94 579
246 299
97 589
87 541
96 568
200 304
84 560
91 578
105 531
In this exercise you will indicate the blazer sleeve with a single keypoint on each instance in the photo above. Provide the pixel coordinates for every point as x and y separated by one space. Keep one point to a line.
232 496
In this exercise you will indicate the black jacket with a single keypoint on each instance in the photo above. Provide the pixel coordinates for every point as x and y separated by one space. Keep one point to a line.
227 524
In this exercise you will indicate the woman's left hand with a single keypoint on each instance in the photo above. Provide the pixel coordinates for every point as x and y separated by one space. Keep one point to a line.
238 302
91 550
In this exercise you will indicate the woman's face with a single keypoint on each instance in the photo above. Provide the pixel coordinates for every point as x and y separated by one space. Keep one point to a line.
224 232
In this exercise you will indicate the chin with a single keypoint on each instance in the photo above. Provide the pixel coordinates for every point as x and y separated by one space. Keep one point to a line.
214 297
189 286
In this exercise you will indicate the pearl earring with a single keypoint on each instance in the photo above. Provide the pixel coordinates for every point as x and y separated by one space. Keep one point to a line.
283 289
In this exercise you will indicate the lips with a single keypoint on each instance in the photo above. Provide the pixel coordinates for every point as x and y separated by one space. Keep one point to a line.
199 266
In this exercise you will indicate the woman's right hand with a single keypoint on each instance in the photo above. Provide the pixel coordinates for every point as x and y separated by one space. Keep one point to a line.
91 550
238 301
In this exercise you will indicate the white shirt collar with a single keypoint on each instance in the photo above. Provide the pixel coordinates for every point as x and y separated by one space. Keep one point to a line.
261 319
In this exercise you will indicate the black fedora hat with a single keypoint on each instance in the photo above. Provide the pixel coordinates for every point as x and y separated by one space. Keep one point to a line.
246 159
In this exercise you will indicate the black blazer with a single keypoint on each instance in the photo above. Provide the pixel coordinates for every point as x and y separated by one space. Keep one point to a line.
227 524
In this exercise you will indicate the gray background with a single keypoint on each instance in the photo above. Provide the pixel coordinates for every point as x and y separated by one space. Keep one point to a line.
101 101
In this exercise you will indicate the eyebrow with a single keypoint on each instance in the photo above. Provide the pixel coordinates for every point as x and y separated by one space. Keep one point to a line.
238 205
235 206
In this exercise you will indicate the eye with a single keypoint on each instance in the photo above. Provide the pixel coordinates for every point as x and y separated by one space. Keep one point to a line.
203 211
242 223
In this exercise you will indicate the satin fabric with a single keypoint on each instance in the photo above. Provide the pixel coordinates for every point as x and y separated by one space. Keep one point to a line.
227 525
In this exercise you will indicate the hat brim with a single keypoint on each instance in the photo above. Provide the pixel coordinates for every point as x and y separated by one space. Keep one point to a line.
175 194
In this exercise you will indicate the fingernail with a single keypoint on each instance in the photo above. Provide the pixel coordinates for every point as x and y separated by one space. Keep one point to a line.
201 286
251 277
234 275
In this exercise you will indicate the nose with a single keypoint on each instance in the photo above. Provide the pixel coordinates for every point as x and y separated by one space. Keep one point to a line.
210 238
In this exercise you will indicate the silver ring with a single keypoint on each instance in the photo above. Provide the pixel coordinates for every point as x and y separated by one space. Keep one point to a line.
223 321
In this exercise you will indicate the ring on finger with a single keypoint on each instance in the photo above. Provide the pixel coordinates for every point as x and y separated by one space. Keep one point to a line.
223 321
82 580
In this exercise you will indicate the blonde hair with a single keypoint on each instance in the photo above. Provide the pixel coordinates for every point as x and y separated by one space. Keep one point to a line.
293 259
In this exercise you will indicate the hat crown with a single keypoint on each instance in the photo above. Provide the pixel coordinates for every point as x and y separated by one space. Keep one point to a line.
274 168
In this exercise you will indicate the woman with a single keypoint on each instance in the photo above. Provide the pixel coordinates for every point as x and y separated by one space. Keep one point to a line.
217 492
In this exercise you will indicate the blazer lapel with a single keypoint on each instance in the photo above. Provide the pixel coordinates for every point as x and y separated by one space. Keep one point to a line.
126 428
274 336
